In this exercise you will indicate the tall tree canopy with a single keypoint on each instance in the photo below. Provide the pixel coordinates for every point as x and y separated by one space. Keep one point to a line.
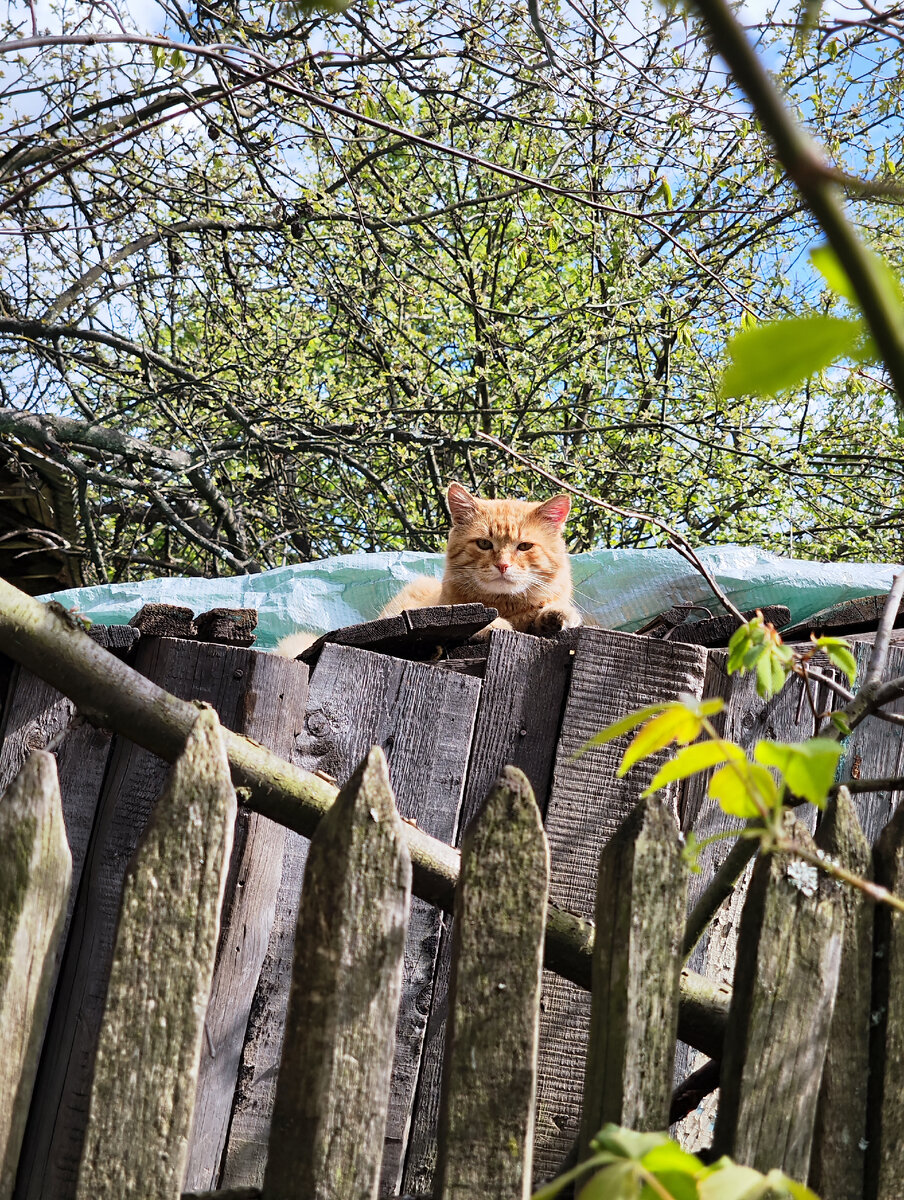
269 277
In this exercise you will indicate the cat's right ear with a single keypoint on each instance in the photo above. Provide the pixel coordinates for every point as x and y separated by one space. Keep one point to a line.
462 504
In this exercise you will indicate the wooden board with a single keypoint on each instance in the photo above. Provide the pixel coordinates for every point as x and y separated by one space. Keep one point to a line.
853 616
612 674
272 712
518 721
417 633
53 1139
423 719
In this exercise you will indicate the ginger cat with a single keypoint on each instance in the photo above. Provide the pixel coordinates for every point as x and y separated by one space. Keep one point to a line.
507 554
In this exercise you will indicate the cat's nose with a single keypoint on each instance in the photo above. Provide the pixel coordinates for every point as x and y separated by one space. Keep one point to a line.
502 568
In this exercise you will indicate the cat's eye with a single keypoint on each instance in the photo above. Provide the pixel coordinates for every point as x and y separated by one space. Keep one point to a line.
525 545
484 543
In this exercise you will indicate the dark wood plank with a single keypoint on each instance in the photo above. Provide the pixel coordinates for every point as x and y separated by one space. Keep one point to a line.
143 1088
853 616
613 674
118 639
414 634
272 712
789 955
332 1092
228 626
165 620
517 724
55 1133
717 630
35 872
487 1117
640 900
837 1166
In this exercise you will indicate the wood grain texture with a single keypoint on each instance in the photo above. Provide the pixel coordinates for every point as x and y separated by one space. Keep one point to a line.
487 1114
640 900
518 721
133 780
789 955
146 1068
35 873
271 712
333 1086
613 674
885 1120
423 719
837 1164
414 634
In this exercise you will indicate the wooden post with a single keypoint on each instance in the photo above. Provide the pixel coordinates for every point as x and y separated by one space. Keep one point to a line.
789 953
35 872
489 1083
885 1123
326 1139
837 1164
146 1069
640 899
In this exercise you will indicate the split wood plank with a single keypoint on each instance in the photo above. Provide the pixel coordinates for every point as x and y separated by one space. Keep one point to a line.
333 1087
640 901
412 634
612 674
272 712
489 1083
885 1119
517 724
146 1068
837 1164
746 719
789 955
853 616
55 1133
423 719
35 874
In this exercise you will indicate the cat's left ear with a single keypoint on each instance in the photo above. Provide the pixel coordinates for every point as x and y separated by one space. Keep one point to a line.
555 510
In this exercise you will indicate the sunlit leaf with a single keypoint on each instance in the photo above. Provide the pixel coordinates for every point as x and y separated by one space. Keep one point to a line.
618 1182
692 759
731 1181
774 357
626 1142
743 789
838 652
670 1157
808 768
624 725
676 724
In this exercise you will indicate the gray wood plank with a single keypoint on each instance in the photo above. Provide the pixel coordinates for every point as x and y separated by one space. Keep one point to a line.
837 1166
487 1116
613 674
143 1090
789 955
885 1111
35 873
517 724
55 1133
332 1092
640 900
272 712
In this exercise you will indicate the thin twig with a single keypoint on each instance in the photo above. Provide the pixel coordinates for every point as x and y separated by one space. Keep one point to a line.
883 634
890 783
875 891
677 541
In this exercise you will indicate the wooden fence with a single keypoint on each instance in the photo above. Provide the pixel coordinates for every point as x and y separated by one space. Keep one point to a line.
407 1063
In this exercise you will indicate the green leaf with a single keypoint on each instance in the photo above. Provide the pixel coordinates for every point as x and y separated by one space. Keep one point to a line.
841 723
774 357
730 1181
624 725
838 652
808 768
825 260
625 1143
158 55
670 1157
178 60
679 1184
775 1179
692 759
618 1182
676 724
743 789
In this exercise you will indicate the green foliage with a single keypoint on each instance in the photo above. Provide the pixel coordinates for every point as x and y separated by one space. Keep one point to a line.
650 1166
757 647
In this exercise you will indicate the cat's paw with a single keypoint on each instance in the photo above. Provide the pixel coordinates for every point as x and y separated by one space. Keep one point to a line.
499 623
549 622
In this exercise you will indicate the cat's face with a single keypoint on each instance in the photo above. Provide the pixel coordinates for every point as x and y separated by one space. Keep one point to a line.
505 547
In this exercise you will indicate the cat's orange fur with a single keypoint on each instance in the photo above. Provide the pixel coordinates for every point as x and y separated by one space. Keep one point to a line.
524 571
530 588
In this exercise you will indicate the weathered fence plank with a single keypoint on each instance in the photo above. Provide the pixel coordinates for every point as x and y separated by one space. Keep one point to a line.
333 1086
146 1068
487 1114
789 953
885 1121
133 780
35 873
837 1163
612 674
423 719
273 707
640 900
517 724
